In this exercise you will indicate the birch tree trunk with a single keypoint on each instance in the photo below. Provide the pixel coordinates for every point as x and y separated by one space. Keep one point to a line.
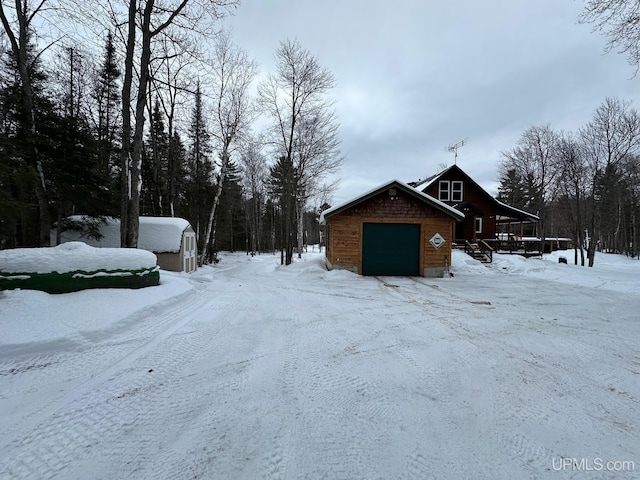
233 72
300 211
210 234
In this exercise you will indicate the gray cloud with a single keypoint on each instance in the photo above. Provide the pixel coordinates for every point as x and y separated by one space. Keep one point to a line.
415 76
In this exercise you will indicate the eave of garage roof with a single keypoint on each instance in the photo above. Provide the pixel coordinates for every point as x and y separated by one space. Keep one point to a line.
423 197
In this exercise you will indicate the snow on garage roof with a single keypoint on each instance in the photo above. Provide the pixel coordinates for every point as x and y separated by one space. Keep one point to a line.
458 215
157 234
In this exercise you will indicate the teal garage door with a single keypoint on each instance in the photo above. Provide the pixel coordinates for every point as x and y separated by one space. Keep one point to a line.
390 249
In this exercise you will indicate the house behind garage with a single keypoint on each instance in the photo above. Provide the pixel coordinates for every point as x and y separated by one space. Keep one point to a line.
171 239
393 229
485 217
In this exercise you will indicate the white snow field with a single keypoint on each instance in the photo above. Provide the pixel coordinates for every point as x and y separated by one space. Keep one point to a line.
525 368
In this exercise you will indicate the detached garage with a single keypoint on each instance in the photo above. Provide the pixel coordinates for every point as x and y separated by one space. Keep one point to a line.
391 230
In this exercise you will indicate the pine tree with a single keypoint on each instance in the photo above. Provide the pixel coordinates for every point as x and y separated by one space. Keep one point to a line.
107 97
177 177
24 174
231 221
284 184
155 166
200 172
512 189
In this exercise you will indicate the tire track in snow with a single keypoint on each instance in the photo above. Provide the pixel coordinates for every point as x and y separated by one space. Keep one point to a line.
276 461
339 429
104 406
93 350
320 395
193 433
517 446
133 344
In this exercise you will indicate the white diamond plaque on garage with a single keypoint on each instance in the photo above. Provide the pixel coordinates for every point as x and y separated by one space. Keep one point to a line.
437 240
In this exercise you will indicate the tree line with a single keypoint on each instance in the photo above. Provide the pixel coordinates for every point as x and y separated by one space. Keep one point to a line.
123 108
584 185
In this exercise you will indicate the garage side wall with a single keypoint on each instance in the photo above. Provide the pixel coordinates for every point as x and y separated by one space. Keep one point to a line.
344 232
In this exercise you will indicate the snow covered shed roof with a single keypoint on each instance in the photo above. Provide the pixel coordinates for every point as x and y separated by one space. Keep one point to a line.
423 197
157 234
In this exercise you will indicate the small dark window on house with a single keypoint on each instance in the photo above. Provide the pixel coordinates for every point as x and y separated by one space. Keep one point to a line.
456 191
443 190
478 224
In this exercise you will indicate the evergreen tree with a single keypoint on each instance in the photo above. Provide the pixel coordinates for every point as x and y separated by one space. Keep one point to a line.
155 166
78 185
23 223
512 189
231 222
67 164
177 177
284 184
107 98
200 172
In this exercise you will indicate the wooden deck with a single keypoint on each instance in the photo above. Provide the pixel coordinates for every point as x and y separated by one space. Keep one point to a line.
526 248
483 250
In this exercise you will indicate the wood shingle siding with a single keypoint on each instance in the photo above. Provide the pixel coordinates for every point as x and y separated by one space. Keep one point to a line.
344 231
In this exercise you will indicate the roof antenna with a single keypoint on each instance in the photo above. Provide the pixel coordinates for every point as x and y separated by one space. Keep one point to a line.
454 149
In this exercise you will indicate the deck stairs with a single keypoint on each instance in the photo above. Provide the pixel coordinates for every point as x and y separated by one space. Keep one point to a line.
480 250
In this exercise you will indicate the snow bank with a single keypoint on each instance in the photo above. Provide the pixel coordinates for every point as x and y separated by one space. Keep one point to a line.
610 271
29 316
461 263
74 256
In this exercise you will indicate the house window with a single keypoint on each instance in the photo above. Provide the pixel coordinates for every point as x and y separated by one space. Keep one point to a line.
443 190
478 224
456 191
450 190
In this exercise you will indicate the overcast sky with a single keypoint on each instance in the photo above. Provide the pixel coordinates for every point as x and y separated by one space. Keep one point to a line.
414 76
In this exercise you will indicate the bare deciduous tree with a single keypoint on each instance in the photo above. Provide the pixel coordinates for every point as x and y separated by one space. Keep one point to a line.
304 128
172 84
146 23
609 138
254 166
534 160
233 71
572 185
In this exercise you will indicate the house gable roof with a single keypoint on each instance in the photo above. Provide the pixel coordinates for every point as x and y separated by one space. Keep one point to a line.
418 195
423 185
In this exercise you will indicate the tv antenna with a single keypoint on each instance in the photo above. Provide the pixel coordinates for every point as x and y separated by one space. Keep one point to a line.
454 149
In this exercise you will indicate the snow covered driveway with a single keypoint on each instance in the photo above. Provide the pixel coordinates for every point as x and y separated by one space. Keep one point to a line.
248 370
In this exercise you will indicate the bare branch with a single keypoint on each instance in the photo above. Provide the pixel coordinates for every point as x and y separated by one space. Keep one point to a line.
619 21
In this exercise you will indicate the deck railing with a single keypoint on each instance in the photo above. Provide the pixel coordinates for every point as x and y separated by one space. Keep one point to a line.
525 247
486 249
480 251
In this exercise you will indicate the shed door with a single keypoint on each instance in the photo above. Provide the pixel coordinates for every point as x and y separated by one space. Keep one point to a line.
390 249
189 242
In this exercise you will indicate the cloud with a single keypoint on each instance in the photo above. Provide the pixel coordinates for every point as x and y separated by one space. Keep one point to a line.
416 76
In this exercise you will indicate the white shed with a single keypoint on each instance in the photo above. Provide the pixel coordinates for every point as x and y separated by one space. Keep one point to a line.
171 239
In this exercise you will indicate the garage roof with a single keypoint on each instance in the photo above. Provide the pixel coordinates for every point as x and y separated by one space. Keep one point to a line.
422 197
